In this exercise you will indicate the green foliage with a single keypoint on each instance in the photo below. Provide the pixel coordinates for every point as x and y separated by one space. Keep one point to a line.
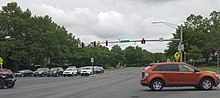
27 40
195 53
201 36
33 40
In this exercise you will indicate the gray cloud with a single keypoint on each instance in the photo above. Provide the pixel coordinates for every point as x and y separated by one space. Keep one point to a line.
111 20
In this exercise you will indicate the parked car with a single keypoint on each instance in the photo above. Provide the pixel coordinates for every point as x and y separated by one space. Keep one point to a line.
24 73
56 71
6 78
41 72
86 71
177 74
101 69
78 71
70 71
98 69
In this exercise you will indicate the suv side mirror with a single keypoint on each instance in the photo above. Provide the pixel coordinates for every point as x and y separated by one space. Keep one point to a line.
195 70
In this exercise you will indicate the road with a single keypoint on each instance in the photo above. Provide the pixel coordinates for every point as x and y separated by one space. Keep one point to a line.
117 83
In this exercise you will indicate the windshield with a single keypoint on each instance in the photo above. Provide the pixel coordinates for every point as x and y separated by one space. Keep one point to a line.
69 69
86 68
53 69
40 69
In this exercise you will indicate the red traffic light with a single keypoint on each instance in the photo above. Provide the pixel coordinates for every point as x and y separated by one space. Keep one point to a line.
106 42
142 41
94 43
82 44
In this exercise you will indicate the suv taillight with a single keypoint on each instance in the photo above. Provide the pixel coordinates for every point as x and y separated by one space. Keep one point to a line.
144 74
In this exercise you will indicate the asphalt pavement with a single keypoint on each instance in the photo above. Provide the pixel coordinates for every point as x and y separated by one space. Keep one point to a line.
116 83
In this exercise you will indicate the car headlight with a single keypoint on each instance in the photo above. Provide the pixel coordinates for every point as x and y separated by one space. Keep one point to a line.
55 72
3 76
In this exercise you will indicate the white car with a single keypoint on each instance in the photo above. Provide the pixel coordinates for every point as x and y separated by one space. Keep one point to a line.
86 71
70 71
98 69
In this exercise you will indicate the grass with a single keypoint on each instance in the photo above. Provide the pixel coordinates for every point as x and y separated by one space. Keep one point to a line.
208 68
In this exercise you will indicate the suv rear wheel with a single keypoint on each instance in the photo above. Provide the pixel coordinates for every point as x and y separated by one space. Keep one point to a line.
206 84
157 84
2 84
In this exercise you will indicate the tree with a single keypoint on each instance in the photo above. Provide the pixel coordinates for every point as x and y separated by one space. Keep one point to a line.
118 56
28 39
195 54
201 32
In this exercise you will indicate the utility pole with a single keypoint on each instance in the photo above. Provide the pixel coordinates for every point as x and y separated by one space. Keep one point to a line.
217 58
217 53
181 45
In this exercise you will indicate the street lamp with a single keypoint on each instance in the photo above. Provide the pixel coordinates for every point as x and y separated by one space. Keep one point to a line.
181 45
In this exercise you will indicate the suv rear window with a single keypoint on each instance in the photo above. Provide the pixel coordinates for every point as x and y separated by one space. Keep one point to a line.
167 67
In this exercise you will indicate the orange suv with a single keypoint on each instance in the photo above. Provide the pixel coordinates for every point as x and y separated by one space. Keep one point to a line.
177 74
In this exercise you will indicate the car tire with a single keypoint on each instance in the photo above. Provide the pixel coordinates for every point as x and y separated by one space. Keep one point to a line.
10 85
157 85
206 84
2 84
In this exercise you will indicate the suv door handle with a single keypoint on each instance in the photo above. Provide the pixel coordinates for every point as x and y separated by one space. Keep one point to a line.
163 73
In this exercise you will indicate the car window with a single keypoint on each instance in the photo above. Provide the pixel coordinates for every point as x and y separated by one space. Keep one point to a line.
53 69
40 69
185 68
69 69
167 67
159 68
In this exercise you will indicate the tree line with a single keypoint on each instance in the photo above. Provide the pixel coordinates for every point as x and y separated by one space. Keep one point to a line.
201 37
27 41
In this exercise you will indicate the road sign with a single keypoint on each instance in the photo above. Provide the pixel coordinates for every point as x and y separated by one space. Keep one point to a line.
177 56
1 61
124 41
92 60
161 39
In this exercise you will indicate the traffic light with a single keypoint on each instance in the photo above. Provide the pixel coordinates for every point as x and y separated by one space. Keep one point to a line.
98 44
82 44
106 42
142 41
94 43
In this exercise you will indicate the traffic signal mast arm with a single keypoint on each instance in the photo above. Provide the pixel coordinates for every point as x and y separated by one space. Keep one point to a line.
126 41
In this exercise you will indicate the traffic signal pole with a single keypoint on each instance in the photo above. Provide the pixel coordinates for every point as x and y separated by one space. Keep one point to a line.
181 43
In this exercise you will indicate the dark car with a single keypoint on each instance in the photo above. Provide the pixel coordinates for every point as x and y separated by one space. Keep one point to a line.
56 71
24 73
6 78
41 72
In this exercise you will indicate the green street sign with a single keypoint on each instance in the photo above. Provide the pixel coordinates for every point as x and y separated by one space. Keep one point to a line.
1 61
124 41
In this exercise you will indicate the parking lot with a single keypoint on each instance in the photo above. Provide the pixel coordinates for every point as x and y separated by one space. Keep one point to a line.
115 83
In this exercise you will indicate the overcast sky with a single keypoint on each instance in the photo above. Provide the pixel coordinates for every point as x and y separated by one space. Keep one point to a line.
100 20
